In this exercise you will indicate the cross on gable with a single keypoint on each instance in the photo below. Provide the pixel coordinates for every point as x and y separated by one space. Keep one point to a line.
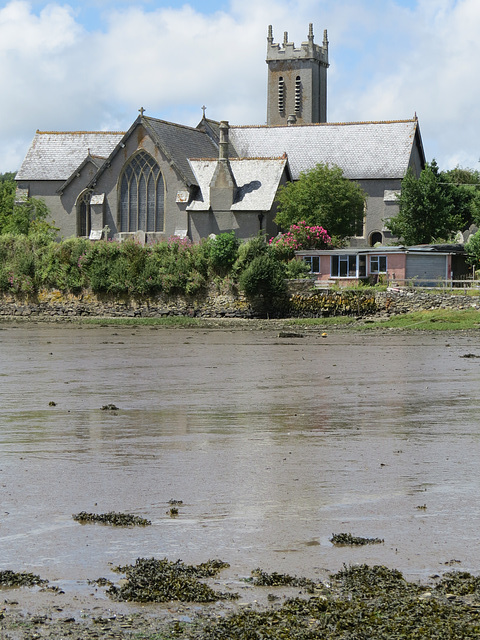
204 108
142 111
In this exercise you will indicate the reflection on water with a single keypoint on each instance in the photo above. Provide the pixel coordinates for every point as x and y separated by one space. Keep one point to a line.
272 445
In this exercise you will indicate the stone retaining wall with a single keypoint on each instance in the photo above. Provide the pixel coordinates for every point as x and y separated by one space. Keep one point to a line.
54 303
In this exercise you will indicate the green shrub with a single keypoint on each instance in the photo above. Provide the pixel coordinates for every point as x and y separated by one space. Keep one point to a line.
297 269
223 252
248 251
264 281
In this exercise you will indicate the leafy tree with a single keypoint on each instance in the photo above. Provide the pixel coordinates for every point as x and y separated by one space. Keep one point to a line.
466 193
7 199
9 175
28 218
472 250
322 196
426 208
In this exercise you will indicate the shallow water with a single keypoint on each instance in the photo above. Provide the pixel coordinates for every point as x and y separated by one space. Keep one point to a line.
272 445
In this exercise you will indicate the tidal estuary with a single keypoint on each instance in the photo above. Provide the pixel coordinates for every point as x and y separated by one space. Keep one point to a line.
272 444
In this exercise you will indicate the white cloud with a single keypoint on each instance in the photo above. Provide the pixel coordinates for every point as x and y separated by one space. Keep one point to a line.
388 60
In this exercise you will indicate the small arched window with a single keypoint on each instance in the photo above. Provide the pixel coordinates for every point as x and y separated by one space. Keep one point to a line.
141 195
84 219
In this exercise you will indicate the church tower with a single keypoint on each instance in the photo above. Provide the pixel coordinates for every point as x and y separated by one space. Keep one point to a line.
297 80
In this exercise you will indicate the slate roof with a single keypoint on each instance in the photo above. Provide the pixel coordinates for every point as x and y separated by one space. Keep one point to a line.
54 155
363 150
180 142
257 181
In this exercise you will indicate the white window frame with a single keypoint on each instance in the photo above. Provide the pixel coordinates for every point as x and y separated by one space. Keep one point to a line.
378 268
346 258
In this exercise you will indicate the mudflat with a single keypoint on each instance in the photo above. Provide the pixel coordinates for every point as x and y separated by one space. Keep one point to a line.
270 440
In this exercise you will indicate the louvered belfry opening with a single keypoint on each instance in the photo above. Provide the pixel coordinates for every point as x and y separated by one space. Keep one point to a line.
141 195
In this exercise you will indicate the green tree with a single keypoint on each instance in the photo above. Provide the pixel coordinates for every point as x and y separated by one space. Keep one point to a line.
466 193
472 250
26 218
427 208
322 196
9 175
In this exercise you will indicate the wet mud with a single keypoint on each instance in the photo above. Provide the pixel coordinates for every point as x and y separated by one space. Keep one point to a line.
265 446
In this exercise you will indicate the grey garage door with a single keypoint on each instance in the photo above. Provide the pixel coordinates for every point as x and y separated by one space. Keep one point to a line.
426 267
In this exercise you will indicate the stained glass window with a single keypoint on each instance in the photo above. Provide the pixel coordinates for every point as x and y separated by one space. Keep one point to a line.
83 214
141 195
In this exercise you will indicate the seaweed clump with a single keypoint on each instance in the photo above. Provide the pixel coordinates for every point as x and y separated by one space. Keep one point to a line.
113 518
459 583
12 579
151 580
348 540
262 579
365 603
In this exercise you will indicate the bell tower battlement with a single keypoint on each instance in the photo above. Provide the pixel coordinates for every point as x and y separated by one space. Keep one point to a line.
297 80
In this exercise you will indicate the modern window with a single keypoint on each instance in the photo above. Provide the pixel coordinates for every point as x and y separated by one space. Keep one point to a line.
141 195
348 266
314 262
84 218
378 264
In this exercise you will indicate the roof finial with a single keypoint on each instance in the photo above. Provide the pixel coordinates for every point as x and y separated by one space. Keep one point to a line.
325 39
204 108
142 111
285 38
270 34
310 32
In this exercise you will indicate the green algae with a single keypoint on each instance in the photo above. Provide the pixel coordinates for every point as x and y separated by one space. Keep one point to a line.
111 518
12 579
262 579
152 580
361 603
346 539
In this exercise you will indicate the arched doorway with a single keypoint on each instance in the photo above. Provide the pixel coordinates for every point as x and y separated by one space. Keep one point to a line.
375 237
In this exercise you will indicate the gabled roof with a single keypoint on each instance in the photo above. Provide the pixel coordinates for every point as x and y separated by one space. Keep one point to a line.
54 155
177 142
257 180
96 161
363 150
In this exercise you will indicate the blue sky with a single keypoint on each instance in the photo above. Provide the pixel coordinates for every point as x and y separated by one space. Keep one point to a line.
90 65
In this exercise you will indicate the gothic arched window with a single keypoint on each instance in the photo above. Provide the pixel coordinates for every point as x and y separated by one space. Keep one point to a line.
83 214
141 195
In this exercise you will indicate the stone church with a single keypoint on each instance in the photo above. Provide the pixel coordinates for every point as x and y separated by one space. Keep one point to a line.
160 179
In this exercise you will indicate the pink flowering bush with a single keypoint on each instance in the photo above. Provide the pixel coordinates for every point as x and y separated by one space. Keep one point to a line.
301 236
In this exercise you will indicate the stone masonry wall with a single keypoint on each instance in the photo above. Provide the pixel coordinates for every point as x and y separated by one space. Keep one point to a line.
54 303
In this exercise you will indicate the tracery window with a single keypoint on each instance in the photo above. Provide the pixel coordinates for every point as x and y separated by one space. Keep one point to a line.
141 195
84 219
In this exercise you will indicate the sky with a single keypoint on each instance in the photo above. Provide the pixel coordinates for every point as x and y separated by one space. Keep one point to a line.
91 65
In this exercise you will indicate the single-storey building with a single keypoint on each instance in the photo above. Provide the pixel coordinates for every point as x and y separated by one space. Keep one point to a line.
423 265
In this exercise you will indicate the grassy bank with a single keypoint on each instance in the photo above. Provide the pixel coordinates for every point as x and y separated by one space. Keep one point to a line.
433 320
